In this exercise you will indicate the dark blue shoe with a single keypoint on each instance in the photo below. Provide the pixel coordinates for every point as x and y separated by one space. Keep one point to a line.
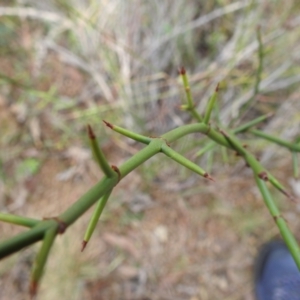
276 274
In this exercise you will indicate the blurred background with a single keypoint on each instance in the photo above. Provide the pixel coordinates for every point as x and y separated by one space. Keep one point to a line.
165 233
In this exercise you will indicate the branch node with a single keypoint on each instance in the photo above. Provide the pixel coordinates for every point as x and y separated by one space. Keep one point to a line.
62 226
116 169
208 130
263 175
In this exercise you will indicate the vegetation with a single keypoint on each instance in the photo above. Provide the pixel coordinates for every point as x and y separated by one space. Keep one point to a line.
68 64
47 229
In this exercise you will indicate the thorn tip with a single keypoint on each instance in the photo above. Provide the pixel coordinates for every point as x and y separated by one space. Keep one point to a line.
108 124
83 245
181 71
206 175
91 132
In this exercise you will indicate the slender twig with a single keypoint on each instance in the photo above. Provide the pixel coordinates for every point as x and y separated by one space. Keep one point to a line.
137 137
295 164
291 146
239 129
41 259
279 220
210 105
18 220
99 155
184 161
190 102
94 219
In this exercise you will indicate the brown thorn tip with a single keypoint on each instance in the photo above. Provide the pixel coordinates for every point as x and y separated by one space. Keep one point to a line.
206 175
108 124
91 132
218 87
181 71
83 245
33 289
292 198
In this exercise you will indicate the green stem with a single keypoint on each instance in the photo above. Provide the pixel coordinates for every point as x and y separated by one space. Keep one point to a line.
184 161
295 164
190 103
177 133
252 123
17 220
260 63
25 239
107 184
99 155
257 168
210 105
292 146
132 135
280 222
95 217
41 259
209 146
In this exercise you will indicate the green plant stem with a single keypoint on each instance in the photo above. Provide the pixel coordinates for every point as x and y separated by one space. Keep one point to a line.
257 168
252 123
132 135
210 106
209 146
95 217
295 164
190 103
25 239
177 133
184 161
99 155
291 146
17 220
279 220
260 62
41 259
107 184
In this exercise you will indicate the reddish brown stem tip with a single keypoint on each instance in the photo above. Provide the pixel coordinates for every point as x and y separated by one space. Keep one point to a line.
181 71
33 289
292 198
91 132
217 87
206 175
108 124
83 245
